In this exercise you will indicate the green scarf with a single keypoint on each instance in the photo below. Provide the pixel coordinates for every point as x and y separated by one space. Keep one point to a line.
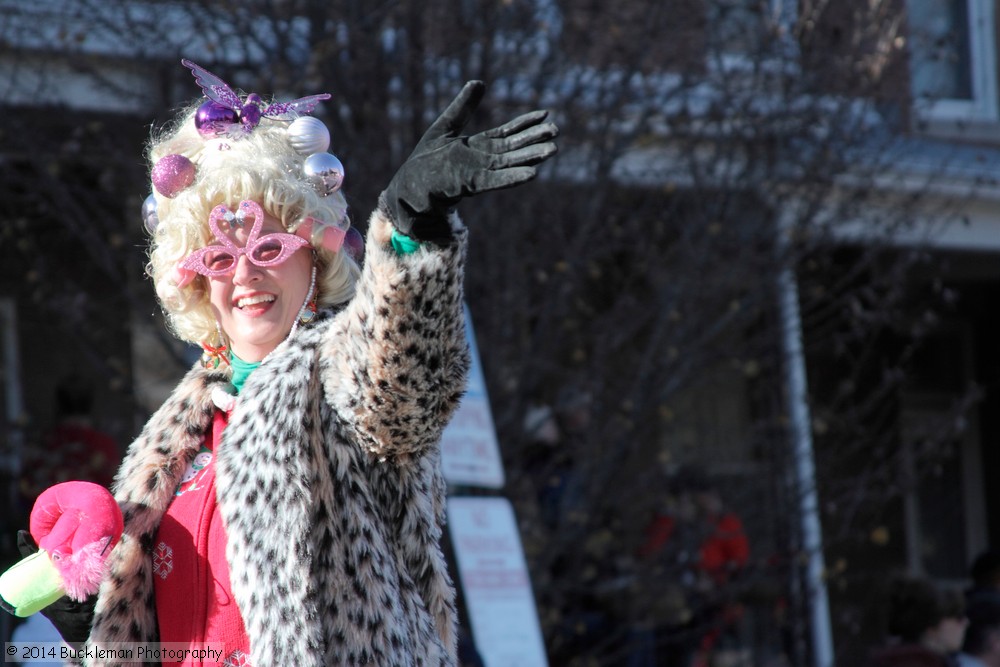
241 370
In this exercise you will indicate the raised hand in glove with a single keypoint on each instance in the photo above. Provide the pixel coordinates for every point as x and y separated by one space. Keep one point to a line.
447 166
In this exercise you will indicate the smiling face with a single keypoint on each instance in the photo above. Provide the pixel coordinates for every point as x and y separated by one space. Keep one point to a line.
257 305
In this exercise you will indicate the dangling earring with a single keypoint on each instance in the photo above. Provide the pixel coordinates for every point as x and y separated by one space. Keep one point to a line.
307 313
214 355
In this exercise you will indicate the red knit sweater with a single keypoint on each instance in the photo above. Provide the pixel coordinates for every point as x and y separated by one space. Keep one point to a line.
194 598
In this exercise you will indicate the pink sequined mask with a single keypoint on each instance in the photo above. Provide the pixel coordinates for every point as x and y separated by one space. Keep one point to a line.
220 260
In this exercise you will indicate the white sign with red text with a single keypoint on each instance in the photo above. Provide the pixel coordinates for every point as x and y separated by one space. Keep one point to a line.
470 453
495 582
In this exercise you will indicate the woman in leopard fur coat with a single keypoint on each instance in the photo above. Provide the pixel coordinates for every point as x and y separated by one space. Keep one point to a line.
320 544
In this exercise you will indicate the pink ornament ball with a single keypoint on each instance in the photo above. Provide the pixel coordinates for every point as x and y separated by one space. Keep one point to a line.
354 245
171 174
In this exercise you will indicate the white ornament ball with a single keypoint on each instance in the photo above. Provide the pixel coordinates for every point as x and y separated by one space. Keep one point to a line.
308 135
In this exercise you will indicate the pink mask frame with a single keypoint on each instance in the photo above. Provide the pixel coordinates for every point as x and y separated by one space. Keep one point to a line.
258 251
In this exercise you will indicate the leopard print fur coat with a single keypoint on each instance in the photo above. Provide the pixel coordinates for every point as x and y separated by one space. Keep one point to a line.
328 477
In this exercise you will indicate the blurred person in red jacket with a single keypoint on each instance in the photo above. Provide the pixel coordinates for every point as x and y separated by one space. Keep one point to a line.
74 449
694 547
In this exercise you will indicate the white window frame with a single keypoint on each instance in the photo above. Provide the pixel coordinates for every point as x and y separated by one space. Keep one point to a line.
983 61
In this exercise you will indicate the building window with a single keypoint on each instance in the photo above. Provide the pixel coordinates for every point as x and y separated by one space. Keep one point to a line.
745 34
735 26
952 50
941 464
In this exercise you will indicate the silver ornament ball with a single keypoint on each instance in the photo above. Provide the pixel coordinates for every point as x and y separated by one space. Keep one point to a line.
308 135
149 218
325 172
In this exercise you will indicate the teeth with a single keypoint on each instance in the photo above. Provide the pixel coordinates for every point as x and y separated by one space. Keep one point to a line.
252 300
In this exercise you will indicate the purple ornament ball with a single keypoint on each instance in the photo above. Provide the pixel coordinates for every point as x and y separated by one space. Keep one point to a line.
354 244
214 120
171 174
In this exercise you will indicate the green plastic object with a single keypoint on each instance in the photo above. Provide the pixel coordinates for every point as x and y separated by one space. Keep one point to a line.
30 585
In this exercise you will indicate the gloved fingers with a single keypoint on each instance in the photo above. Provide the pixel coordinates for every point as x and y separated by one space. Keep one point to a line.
498 179
457 114
25 543
71 618
534 135
529 155
530 135
518 124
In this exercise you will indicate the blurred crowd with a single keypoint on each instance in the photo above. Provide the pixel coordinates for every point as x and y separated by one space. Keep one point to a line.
927 625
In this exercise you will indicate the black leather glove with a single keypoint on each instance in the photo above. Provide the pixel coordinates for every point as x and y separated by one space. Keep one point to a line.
71 618
447 166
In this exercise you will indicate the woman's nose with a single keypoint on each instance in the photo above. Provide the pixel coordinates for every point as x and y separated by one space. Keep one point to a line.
246 271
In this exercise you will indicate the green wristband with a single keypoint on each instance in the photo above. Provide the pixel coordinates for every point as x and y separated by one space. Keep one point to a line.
403 244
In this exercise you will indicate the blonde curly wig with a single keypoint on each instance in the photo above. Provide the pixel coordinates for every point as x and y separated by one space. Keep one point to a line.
262 166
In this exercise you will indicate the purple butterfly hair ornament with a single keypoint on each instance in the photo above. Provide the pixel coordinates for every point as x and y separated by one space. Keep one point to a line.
226 115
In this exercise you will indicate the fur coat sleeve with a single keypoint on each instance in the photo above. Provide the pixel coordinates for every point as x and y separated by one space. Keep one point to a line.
328 478
395 363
